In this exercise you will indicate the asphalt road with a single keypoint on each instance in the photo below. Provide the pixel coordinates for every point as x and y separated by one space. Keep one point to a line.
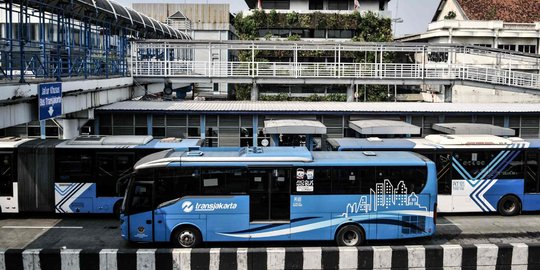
104 232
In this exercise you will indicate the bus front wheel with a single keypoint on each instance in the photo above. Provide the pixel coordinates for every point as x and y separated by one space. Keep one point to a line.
350 235
509 206
187 237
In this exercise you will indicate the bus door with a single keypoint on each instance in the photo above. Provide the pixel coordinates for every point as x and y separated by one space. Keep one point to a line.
8 196
532 172
443 162
269 197
140 212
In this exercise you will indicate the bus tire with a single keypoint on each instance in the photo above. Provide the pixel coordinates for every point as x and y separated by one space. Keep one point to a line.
350 235
509 205
186 237
117 208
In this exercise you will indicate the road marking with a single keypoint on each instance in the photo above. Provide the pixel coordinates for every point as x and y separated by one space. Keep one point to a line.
448 224
42 227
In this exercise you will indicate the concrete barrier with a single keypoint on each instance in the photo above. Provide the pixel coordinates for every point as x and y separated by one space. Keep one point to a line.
479 256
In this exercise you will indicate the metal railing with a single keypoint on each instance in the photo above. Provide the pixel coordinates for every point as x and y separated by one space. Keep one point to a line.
411 72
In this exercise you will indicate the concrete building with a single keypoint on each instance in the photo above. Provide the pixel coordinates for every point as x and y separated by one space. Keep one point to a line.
201 22
497 24
319 28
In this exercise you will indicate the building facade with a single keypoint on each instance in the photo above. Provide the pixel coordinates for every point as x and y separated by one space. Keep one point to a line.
201 22
316 21
507 25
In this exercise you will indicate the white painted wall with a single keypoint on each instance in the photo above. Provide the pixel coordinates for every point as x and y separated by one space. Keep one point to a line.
468 94
451 5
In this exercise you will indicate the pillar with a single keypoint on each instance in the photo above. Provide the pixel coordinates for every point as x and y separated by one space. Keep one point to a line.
71 128
350 93
447 93
255 125
254 92
149 124
202 125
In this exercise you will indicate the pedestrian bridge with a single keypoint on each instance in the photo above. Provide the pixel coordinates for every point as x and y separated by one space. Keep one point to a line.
332 63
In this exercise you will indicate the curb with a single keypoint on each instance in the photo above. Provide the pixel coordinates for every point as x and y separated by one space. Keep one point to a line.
503 256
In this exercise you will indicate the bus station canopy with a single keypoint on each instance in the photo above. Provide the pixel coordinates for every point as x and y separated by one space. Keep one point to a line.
473 128
289 126
387 127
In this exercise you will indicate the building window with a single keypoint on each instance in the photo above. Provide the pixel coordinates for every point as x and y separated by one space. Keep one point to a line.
276 4
483 45
527 48
315 4
507 47
338 5
382 4
340 34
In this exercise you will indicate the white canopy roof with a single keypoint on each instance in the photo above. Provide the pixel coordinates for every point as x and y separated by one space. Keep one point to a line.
473 128
289 126
389 127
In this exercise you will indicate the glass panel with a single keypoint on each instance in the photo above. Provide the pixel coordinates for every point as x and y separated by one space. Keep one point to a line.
6 174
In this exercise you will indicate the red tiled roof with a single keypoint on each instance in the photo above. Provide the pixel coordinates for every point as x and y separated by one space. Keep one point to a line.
520 11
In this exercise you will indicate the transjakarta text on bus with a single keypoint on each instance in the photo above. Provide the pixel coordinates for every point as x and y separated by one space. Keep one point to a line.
279 193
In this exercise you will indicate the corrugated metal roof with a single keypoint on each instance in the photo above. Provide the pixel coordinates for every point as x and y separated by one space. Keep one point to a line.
336 107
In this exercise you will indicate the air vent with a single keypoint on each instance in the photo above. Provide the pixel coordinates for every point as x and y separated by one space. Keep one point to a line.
369 153
374 139
195 154
170 140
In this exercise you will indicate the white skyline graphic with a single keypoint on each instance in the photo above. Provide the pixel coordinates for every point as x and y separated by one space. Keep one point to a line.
384 196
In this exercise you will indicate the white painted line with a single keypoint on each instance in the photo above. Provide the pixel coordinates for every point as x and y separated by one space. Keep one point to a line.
41 227
448 224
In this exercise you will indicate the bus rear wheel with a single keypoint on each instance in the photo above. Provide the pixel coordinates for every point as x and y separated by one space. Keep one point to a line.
187 237
509 206
350 235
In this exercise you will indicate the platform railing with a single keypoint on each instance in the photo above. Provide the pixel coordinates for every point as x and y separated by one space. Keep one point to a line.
330 71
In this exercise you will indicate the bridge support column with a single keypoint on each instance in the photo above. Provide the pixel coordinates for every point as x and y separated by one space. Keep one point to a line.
350 93
254 92
71 127
447 93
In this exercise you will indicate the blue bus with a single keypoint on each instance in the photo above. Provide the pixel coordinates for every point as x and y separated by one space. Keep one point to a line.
476 173
279 193
72 176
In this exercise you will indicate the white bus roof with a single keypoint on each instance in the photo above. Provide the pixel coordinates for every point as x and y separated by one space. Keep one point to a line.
468 140
12 142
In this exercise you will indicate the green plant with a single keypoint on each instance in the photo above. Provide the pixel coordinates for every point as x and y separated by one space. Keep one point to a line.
272 18
292 19
243 91
293 37
450 16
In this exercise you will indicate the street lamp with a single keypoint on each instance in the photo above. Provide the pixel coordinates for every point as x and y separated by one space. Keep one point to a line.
395 21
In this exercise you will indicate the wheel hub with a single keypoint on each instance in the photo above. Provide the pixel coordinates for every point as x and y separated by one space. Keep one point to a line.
350 238
187 238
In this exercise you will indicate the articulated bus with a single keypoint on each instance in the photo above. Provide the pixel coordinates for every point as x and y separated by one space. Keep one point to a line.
72 176
279 193
476 173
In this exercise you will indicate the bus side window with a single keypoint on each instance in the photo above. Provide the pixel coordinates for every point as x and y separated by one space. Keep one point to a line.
224 181
347 180
110 167
532 181
443 162
6 175
74 166
514 170
413 177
